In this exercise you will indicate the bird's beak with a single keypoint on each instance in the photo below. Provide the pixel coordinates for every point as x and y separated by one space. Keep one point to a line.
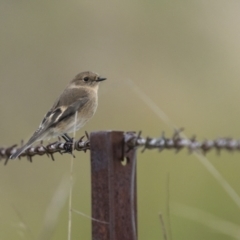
100 79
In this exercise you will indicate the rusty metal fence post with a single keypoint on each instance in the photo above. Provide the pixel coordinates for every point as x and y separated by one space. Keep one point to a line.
113 187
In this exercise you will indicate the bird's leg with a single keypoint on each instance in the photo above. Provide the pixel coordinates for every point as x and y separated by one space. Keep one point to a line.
67 138
68 144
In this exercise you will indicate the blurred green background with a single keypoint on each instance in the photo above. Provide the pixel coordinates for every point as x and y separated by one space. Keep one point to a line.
182 54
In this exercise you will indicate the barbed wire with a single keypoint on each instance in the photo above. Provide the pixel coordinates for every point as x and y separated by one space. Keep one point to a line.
177 142
49 150
132 140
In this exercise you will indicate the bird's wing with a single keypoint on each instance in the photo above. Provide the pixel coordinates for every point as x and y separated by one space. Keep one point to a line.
63 112
71 110
65 107
62 108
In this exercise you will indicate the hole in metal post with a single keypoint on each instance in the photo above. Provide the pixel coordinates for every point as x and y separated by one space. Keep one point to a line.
125 161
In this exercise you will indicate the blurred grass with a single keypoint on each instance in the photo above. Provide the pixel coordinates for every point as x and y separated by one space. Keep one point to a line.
185 55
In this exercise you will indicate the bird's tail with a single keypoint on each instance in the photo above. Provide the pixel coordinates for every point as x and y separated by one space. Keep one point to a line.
19 151
32 140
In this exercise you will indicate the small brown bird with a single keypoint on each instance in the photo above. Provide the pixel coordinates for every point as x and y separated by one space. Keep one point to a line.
81 97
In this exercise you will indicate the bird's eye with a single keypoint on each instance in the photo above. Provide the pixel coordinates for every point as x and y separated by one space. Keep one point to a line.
85 79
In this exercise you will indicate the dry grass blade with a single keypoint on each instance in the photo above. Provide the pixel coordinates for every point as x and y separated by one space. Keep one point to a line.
208 220
54 208
163 227
203 160
71 185
86 216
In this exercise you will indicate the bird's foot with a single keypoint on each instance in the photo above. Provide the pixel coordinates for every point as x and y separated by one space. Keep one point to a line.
68 145
68 148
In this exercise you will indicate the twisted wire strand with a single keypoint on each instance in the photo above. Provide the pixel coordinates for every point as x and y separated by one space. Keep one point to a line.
132 140
49 150
177 143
